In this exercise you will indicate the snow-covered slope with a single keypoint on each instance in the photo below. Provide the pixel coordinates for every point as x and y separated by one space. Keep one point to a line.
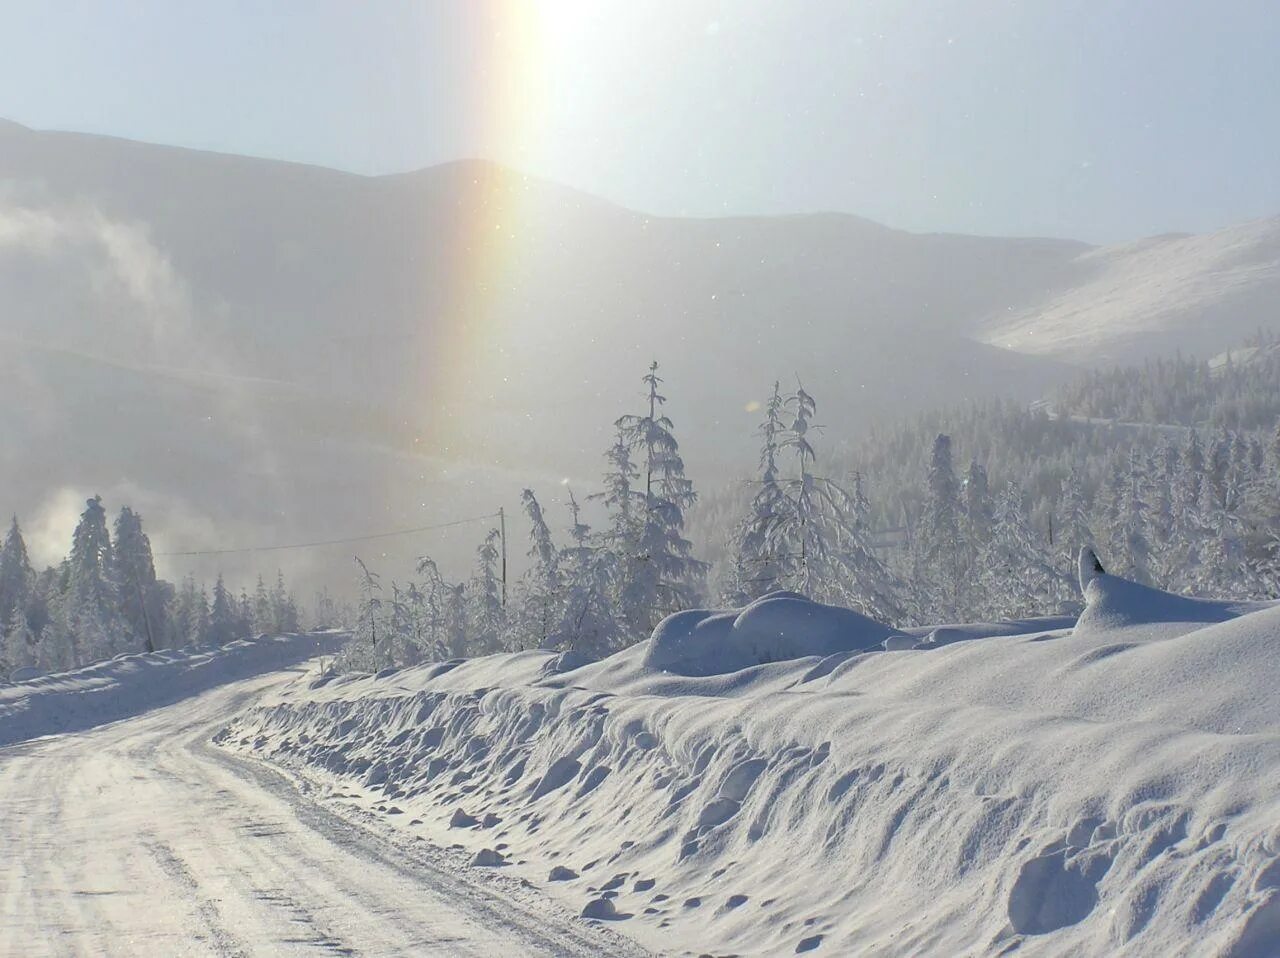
134 683
1198 294
1111 789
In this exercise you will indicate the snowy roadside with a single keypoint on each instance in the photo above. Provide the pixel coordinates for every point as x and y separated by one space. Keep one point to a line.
1108 789
128 685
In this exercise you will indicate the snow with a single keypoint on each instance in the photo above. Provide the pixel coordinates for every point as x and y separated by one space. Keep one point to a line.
141 838
769 782
773 628
1116 302
130 684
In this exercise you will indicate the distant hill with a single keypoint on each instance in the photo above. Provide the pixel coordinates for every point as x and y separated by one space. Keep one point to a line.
264 350
1197 294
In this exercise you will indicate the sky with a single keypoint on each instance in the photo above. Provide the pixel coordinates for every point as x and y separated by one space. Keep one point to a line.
1104 121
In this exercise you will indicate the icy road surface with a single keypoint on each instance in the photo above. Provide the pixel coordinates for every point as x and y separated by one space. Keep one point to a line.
140 838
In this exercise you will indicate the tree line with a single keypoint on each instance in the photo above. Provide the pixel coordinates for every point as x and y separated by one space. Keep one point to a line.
965 515
105 599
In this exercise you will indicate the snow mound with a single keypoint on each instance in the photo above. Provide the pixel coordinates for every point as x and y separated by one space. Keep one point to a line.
1109 789
131 684
774 628
1112 602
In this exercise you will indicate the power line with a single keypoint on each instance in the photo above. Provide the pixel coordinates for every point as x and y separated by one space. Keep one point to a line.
330 542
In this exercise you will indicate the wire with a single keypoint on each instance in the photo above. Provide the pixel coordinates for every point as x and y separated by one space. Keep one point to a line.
329 542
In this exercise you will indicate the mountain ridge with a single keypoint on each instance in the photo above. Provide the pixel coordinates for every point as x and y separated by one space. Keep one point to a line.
468 313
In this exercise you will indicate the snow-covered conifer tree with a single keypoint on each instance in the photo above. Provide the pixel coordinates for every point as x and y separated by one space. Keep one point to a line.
1072 517
191 614
588 621
263 615
17 578
368 649
486 617
662 575
757 568
1015 572
284 611
1218 471
18 650
224 622
135 578
808 533
939 557
538 594
1129 536
94 625
444 627
977 506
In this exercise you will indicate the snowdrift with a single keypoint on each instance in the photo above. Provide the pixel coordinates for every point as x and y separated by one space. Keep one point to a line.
776 627
131 684
769 783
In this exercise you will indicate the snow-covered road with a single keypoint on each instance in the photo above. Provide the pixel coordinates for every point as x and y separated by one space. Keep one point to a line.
141 838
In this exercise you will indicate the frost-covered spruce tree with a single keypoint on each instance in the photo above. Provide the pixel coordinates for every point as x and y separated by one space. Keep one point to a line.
619 542
408 623
444 613
244 613
1130 541
18 650
1186 492
1015 574
191 615
1182 550
1162 471
224 622
804 532
663 575
368 649
537 606
90 606
870 585
134 573
939 556
1168 548
1260 510
757 568
1108 512
263 615
822 536
486 616
459 639
284 611
588 620
17 578
1072 518
1218 472
43 615
977 506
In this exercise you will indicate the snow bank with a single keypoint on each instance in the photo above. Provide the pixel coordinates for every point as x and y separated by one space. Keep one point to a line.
775 627
1113 789
130 684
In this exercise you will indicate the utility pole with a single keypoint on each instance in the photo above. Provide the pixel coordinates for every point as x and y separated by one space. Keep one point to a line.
653 411
502 534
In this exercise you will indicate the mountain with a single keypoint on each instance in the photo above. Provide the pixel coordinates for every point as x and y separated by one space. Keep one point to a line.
254 351
1198 294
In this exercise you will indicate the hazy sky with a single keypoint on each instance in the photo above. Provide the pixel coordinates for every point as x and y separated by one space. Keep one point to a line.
1102 120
